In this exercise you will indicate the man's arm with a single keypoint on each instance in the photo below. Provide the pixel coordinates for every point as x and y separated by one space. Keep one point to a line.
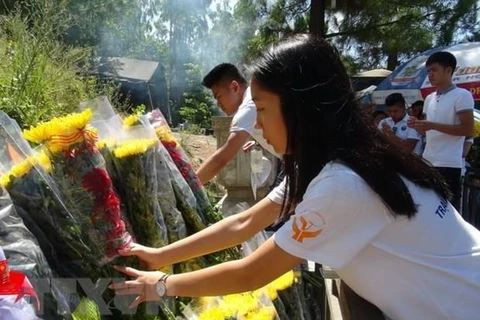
465 128
212 166
407 144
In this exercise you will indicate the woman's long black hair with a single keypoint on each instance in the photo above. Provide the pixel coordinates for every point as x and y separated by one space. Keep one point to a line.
325 123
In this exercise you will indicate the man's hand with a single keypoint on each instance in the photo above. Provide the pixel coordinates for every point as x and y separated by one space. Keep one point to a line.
249 145
216 162
386 129
411 122
421 126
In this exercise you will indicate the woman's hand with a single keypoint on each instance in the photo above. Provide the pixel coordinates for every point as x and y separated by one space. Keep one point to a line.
150 256
144 285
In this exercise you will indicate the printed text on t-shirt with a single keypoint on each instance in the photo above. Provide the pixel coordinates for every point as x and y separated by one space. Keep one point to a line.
442 209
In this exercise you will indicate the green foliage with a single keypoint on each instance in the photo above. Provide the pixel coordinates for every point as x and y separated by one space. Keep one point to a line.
139 110
39 75
392 31
196 109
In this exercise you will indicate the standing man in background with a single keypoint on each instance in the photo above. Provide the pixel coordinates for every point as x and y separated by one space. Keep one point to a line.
232 93
449 119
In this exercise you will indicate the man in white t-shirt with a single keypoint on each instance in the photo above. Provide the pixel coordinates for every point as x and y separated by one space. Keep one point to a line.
230 89
449 119
395 127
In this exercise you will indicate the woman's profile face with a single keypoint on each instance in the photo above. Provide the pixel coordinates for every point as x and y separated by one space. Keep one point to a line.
269 117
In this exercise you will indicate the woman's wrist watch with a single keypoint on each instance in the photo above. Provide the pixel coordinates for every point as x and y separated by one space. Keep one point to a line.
162 285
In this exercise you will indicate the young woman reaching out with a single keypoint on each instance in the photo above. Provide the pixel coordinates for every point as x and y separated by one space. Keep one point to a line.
376 214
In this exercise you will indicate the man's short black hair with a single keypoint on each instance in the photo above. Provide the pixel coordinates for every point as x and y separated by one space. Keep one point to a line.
395 99
223 72
443 58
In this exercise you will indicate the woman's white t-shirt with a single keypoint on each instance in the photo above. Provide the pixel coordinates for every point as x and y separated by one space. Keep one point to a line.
427 267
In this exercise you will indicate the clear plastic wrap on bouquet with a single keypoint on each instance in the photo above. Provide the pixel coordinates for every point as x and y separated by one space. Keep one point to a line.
25 255
38 202
181 160
174 221
79 170
135 161
185 198
102 109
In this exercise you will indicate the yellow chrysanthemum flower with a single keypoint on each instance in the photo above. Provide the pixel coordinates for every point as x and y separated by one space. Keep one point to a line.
164 133
44 161
108 143
133 147
5 180
18 170
62 126
22 168
271 292
131 120
283 282
265 313
42 132
214 313
76 121
241 303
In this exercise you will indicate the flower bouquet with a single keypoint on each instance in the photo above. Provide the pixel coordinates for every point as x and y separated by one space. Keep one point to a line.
182 162
37 201
174 222
134 159
79 170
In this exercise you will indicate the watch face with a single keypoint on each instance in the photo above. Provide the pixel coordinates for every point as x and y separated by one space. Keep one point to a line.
161 288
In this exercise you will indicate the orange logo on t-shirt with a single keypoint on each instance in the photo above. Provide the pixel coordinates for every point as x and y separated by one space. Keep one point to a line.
301 229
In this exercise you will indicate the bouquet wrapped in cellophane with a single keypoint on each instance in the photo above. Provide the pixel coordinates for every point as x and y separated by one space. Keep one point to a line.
38 201
289 297
169 197
134 160
25 255
181 160
174 222
176 200
206 213
36 229
79 170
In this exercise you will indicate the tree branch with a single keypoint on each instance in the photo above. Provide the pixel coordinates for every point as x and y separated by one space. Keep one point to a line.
381 25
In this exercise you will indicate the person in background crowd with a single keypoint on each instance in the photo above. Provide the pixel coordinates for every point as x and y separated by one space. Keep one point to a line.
395 127
378 115
377 214
417 110
449 119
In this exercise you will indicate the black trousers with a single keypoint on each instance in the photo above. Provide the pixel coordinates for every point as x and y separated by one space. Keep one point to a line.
453 177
